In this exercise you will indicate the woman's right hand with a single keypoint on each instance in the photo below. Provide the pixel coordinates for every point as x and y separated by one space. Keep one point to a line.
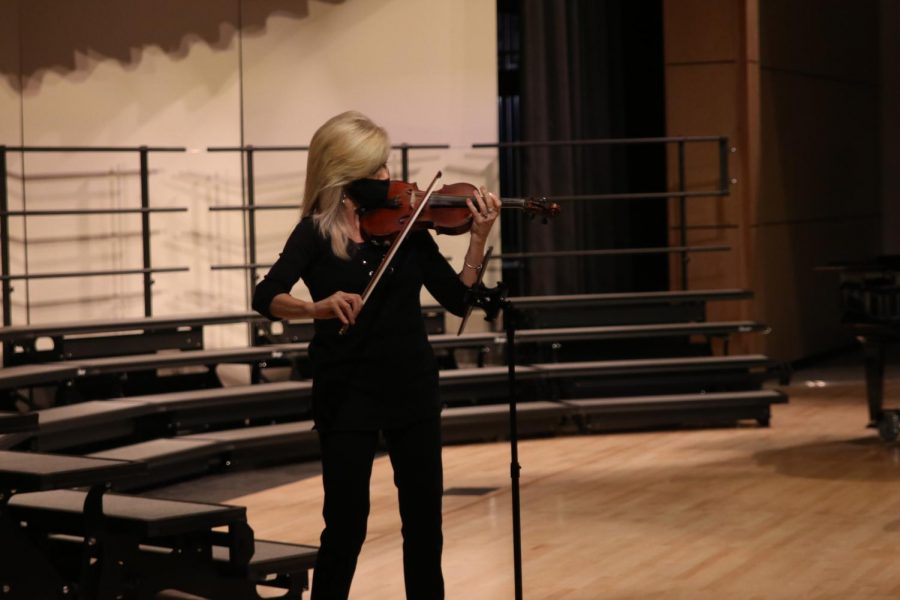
340 305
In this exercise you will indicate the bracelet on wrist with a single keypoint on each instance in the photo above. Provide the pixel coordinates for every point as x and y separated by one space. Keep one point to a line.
475 267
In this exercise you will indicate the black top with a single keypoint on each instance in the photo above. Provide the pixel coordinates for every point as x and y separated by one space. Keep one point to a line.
382 373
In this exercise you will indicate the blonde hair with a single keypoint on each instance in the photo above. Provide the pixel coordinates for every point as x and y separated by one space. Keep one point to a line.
347 147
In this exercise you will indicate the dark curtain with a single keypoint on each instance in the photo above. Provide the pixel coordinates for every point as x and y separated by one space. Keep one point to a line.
591 69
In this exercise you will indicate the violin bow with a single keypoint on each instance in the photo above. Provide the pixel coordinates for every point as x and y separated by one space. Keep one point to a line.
392 251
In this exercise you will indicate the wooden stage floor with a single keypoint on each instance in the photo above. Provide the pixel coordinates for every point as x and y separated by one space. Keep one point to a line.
809 508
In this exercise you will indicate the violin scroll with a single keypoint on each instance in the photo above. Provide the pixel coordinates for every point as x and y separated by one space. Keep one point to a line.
541 207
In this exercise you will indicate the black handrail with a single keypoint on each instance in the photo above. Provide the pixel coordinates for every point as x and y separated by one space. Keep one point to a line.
92 149
251 207
554 254
4 240
252 148
245 207
67 274
143 151
609 252
92 211
638 196
603 141
681 194
403 148
241 267
404 154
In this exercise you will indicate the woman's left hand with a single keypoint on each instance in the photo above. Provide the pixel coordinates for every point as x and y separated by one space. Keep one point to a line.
485 211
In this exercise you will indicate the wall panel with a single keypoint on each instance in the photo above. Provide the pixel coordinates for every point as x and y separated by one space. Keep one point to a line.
424 88
705 85
212 73
799 301
837 39
800 99
701 31
165 75
821 155
819 198
11 135
10 99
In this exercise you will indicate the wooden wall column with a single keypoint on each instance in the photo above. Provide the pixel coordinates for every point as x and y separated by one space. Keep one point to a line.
795 84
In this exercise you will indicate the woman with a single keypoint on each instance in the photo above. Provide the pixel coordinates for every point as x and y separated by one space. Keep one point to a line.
381 376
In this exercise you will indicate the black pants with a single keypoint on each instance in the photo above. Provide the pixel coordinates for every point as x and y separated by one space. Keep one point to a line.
415 453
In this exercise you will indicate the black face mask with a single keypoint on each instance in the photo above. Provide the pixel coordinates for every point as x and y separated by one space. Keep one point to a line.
368 193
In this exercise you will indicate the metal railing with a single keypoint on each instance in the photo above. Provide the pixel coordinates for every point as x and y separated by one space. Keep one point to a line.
145 210
250 206
681 193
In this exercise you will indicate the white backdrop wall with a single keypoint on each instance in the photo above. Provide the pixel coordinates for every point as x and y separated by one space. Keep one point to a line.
218 73
11 135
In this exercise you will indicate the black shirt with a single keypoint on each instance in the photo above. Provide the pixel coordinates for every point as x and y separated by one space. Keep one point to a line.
382 373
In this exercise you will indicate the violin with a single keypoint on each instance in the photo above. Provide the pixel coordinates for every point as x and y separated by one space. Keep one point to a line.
389 210
446 211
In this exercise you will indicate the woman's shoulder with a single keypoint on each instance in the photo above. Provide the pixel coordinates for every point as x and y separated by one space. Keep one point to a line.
307 229
305 235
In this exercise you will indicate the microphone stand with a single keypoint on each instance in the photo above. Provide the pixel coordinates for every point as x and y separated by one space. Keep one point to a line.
492 301
510 316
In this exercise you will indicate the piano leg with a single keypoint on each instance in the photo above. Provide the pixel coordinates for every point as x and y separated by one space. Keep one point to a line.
873 349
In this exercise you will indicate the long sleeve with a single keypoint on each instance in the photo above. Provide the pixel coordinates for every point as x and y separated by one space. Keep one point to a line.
439 277
292 264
